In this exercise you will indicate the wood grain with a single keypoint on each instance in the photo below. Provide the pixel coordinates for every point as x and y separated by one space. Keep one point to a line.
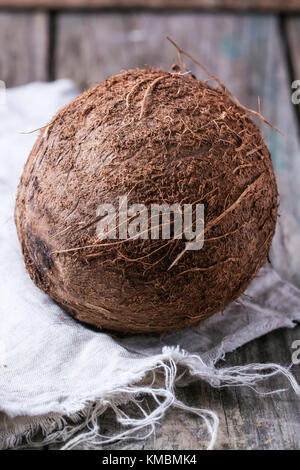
248 421
292 25
24 47
279 5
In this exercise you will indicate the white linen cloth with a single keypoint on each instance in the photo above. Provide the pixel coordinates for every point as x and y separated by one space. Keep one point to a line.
57 376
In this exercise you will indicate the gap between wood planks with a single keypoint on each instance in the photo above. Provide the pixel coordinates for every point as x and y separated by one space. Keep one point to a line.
291 69
52 32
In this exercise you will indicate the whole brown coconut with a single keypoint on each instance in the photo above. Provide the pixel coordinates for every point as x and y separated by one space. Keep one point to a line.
159 138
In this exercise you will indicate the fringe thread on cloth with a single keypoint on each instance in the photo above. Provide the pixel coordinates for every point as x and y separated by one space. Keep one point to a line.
83 429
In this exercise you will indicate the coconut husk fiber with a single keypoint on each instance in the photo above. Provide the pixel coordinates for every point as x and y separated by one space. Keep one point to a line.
156 137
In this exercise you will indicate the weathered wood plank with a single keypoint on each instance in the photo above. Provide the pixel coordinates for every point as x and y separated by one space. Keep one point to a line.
273 5
292 25
24 45
248 421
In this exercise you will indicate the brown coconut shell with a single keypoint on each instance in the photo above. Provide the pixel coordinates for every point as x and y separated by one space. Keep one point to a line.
157 137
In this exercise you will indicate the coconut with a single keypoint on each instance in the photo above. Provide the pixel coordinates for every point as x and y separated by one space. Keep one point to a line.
155 137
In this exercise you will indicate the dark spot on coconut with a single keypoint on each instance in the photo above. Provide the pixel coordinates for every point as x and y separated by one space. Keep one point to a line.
35 183
191 152
41 255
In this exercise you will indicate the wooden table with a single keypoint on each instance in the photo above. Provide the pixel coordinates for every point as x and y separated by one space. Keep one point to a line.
254 54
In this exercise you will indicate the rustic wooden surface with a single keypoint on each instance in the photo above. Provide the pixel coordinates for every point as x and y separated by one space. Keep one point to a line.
24 46
252 55
293 35
287 5
247 421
